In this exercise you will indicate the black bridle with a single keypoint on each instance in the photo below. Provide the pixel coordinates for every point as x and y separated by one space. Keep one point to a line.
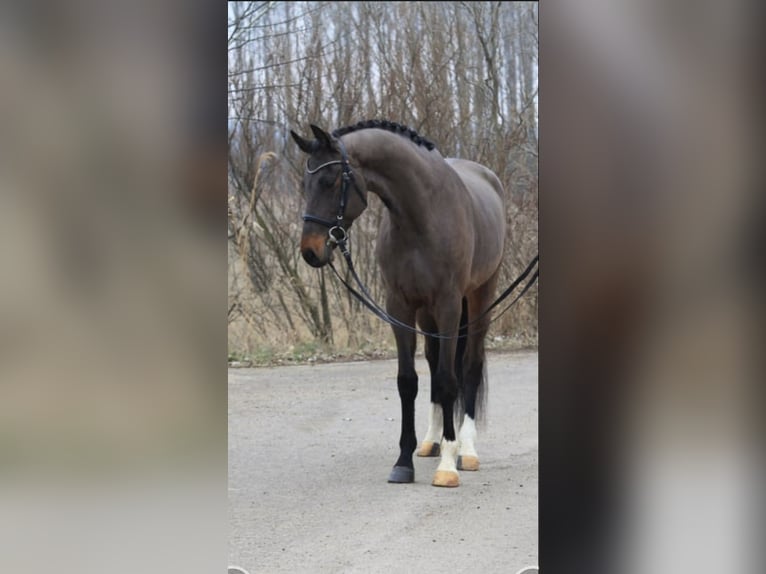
337 235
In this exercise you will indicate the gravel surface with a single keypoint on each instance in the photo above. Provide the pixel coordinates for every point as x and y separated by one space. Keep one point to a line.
310 449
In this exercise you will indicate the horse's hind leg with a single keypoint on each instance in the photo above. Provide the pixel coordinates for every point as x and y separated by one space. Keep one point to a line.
407 383
447 315
474 383
431 443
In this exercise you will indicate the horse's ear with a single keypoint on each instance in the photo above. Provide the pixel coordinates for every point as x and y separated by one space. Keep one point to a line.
322 136
304 144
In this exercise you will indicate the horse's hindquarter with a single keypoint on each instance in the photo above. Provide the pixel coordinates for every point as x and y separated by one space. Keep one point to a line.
485 191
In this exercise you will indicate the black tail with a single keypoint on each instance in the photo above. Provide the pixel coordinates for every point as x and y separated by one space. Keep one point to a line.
462 343
481 396
462 369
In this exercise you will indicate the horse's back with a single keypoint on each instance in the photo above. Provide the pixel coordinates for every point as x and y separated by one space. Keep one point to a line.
486 192
476 176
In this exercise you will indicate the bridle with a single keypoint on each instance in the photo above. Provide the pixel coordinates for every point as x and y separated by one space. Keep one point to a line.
337 235
336 231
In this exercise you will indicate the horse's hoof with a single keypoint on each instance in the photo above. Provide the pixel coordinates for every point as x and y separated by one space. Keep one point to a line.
468 462
429 449
402 474
448 478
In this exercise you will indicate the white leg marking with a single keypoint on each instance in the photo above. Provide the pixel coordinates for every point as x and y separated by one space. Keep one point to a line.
449 456
467 437
435 424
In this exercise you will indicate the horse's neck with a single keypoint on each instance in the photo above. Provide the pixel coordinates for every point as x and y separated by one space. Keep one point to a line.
399 176
402 195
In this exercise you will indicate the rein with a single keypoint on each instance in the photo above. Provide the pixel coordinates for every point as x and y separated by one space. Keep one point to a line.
339 236
366 299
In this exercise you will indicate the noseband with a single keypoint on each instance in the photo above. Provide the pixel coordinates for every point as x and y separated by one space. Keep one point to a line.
337 233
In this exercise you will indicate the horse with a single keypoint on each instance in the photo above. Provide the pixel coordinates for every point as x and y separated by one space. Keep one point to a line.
439 247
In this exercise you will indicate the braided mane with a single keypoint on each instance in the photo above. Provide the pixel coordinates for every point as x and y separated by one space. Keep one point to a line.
387 125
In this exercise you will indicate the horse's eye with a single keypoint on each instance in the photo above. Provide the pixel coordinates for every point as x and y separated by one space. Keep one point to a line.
326 181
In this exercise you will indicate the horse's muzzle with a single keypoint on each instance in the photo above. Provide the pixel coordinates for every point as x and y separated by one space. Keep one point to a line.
311 258
315 250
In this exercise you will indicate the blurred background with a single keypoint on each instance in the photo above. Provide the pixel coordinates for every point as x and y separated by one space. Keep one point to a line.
462 74
651 314
116 274
113 284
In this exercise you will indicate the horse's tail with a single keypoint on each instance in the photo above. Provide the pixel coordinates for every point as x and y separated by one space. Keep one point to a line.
481 394
461 370
460 356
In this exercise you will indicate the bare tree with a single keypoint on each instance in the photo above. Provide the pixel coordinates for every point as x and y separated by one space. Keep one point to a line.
463 74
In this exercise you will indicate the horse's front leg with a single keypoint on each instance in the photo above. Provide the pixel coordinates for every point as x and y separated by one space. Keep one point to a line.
407 383
432 441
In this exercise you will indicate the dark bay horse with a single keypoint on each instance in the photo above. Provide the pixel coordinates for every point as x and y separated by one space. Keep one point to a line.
439 247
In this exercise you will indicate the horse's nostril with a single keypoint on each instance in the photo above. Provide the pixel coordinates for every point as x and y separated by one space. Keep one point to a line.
311 258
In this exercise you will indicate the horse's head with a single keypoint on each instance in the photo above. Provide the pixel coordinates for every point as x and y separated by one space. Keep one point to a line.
335 195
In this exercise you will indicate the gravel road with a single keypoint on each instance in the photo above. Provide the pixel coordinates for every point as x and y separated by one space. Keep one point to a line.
310 449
